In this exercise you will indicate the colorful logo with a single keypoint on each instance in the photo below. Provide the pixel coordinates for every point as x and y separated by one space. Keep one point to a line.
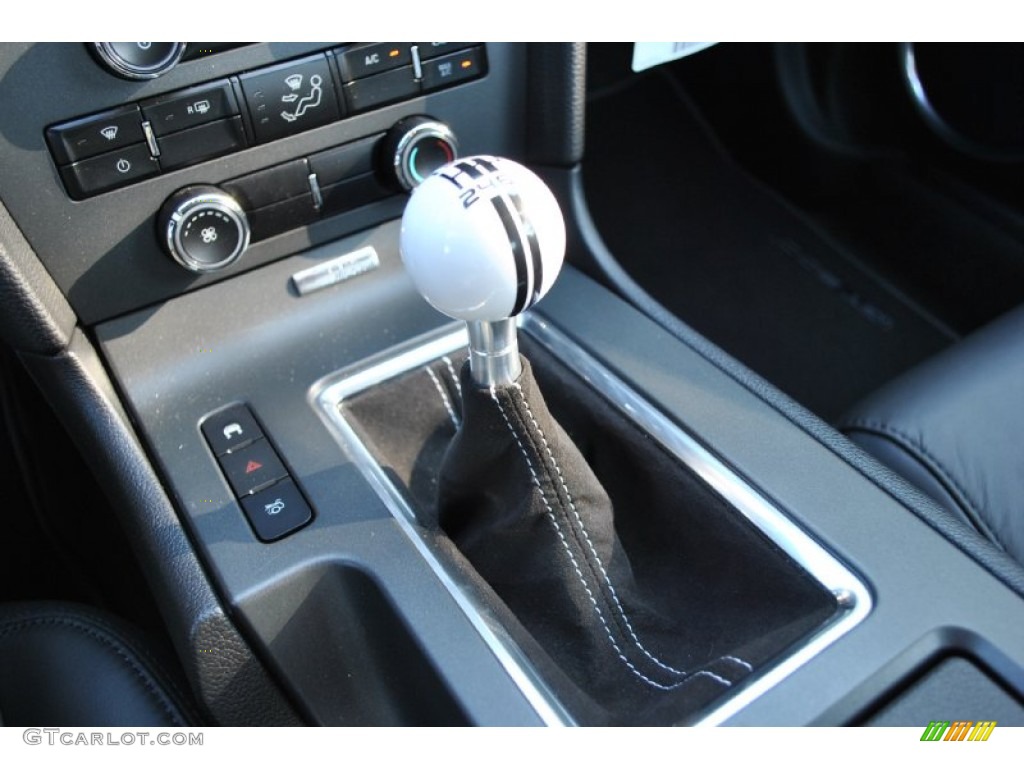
958 730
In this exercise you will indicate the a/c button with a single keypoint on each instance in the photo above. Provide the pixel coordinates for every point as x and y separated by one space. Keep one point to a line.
277 511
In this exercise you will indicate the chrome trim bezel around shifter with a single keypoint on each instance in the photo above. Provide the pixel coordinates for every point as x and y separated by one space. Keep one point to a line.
328 396
852 595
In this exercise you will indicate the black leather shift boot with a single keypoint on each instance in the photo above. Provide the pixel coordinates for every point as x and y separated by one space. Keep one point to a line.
641 596
521 503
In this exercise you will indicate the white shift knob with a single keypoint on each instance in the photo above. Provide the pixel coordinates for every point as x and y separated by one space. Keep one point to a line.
483 238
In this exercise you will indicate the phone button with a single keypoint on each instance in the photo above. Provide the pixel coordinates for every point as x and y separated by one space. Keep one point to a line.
231 429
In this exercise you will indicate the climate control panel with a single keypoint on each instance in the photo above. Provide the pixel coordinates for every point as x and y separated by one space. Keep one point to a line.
93 158
117 147
206 228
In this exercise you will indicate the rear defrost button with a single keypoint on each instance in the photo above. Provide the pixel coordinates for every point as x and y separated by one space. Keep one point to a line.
191 107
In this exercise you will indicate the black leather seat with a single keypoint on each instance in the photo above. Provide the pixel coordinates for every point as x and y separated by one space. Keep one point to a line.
954 427
63 664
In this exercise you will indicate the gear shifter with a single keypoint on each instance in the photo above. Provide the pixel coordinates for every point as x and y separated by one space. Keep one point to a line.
483 239
632 586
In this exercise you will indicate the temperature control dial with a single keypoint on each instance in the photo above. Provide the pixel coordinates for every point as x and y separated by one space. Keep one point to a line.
139 61
203 228
416 147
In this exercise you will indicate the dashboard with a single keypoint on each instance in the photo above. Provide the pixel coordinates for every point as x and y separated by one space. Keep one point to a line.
201 271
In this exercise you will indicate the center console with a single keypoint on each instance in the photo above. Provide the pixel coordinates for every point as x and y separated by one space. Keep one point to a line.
247 297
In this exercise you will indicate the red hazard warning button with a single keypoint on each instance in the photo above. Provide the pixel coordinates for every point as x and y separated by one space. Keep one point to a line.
251 468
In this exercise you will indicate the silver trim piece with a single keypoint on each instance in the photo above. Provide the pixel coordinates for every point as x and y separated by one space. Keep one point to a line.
147 131
494 352
417 65
336 270
122 68
852 596
314 189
